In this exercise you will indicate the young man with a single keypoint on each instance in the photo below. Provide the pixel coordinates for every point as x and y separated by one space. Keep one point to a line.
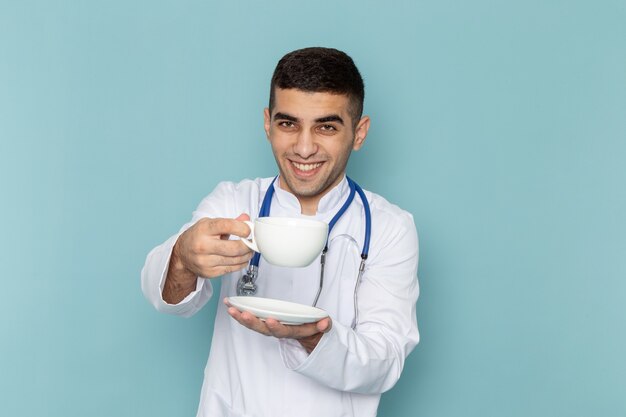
340 365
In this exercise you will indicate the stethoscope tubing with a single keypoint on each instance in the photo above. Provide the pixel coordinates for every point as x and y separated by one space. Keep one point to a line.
253 267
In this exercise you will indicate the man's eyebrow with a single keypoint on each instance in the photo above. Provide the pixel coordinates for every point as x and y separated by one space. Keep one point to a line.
283 116
330 118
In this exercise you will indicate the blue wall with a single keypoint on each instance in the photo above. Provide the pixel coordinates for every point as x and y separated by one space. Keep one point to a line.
501 127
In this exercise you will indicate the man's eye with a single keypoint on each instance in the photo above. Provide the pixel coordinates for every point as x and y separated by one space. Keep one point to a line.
286 124
328 128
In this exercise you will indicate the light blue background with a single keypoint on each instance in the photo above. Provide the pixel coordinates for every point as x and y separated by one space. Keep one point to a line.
500 125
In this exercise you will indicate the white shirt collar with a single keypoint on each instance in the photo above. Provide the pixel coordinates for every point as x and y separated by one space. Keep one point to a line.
329 203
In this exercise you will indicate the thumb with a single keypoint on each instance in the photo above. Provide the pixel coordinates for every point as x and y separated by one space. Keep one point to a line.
243 217
324 325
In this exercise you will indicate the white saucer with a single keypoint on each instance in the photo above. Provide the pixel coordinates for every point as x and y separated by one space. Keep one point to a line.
283 311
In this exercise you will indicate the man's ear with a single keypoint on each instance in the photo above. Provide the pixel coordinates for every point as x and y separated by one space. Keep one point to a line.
267 121
360 132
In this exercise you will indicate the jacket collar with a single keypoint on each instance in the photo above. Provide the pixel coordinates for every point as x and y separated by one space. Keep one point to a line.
329 203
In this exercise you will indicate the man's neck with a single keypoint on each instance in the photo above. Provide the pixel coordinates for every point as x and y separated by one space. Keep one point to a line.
309 206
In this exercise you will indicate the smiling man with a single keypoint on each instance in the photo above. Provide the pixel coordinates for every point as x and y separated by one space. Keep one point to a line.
340 365
312 135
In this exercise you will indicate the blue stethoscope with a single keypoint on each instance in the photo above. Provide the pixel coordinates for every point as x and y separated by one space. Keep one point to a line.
247 283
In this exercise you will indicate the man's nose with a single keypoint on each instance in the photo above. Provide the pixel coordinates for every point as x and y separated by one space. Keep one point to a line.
305 145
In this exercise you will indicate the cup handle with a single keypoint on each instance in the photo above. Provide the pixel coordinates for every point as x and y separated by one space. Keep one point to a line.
250 242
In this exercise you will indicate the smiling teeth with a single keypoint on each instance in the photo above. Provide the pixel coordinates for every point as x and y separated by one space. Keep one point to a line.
307 167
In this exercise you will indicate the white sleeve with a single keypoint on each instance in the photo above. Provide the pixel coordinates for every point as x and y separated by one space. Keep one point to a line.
153 278
220 203
370 359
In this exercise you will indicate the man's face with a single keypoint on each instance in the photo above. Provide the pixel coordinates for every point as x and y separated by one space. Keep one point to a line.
312 136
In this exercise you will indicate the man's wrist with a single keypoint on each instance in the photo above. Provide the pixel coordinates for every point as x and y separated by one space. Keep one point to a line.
176 261
180 281
310 343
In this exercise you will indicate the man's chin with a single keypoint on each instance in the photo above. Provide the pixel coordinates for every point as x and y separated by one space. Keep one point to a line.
305 189
306 192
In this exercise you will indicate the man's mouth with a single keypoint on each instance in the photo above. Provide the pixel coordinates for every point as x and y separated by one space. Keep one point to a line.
307 168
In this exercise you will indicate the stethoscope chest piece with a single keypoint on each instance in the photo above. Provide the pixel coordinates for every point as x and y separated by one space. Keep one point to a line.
247 283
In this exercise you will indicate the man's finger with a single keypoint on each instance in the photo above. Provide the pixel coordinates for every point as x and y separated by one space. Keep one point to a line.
223 270
324 325
216 261
248 320
229 248
243 217
277 329
228 227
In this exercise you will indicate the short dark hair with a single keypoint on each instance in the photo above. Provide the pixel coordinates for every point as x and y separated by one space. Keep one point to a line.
320 70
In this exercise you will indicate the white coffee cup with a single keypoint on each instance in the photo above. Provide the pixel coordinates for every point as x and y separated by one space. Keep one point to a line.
287 241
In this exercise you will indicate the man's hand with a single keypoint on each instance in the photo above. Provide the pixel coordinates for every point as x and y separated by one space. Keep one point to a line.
204 250
308 334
